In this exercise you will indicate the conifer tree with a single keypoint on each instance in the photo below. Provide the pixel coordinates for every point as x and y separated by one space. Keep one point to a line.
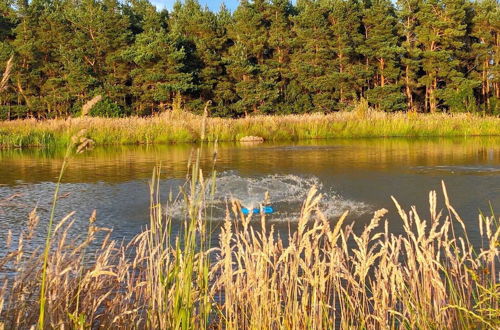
224 94
100 32
381 48
276 74
204 39
486 51
245 60
55 94
349 74
440 36
29 58
459 94
311 62
7 35
7 22
158 70
410 59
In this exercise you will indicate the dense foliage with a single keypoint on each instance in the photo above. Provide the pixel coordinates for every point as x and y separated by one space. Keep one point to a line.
268 56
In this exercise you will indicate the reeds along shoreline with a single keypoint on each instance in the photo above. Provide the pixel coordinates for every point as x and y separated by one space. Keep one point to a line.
178 127
429 277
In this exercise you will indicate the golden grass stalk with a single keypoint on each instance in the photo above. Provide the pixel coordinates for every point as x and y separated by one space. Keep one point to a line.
204 121
48 239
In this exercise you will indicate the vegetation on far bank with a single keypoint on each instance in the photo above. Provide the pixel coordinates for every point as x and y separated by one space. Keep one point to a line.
185 127
267 56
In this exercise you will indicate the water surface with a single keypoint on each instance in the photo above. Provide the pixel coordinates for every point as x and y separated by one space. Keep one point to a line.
355 175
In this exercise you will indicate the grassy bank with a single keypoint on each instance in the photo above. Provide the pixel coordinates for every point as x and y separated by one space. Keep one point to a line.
323 274
184 127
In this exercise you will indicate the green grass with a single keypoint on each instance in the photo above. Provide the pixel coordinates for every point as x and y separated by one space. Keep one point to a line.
185 127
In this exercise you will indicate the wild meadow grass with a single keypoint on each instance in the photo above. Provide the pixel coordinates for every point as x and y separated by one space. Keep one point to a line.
178 127
322 274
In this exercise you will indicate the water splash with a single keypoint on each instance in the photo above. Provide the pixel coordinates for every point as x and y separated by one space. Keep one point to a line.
286 193
250 191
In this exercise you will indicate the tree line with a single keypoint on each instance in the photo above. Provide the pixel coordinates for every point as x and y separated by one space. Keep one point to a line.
267 57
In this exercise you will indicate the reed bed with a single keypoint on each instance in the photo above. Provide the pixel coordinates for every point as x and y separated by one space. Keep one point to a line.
322 274
178 127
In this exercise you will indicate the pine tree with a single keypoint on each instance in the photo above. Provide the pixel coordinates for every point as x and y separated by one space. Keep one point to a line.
29 59
7 21
349 74
313 75
224 93
158 73
410 59
54 93
439 36
204 38
486 51
276 74
245 60
381 48
7 25
459 94
100 33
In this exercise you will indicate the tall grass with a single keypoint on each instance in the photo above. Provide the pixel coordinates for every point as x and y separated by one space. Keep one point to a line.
322 274
176 127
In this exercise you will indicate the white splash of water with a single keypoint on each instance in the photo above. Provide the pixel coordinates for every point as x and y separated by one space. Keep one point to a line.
251 191
286 191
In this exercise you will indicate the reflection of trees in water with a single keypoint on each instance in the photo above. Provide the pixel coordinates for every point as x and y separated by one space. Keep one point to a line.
119 163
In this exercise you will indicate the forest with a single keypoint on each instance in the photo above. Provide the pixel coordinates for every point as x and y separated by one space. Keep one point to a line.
265 57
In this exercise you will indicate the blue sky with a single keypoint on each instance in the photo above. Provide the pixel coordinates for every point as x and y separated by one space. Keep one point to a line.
212 4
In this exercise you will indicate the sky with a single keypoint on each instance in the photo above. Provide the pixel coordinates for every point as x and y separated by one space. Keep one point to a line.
214 5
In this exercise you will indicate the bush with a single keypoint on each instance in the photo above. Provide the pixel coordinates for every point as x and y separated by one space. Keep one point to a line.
13 112
107 108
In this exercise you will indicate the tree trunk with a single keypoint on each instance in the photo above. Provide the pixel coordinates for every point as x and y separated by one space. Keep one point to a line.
426 104
382 78
432 96
409 96
341 70
497 62
486 87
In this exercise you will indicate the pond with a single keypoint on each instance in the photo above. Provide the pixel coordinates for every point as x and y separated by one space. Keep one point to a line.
359 175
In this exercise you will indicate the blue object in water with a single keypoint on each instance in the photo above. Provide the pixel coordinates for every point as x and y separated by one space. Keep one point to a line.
256 210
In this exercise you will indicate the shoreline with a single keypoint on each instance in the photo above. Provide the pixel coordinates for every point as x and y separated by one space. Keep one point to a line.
173 128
